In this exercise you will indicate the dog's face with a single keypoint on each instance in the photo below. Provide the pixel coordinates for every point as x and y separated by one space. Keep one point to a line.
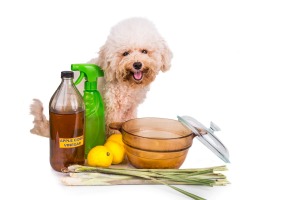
137 66
134 53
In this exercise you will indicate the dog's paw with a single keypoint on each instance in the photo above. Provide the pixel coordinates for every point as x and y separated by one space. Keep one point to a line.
115 126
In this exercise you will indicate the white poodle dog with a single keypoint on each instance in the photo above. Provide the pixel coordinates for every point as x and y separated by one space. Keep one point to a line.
132 56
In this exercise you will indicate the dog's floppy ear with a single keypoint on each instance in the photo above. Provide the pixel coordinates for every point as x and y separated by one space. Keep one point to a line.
166 56
104 63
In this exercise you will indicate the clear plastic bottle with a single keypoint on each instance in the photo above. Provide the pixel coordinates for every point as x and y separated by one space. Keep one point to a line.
67 124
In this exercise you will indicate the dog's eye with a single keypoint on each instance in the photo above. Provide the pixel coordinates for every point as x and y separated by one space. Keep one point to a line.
144 51
126 53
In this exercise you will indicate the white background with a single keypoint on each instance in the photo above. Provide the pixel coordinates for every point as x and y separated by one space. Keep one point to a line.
235 63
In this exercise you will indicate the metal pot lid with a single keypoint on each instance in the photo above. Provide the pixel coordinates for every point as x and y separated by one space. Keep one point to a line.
206 136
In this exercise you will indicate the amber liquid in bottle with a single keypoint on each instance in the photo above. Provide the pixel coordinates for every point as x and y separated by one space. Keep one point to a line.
67 124
66 142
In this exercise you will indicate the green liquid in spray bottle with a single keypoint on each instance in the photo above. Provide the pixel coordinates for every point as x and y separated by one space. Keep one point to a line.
94 107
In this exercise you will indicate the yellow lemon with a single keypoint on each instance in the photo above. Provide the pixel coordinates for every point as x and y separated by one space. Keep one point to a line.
117 137
117 150
99 156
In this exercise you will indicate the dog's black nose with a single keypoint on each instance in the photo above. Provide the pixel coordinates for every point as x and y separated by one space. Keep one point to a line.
137 65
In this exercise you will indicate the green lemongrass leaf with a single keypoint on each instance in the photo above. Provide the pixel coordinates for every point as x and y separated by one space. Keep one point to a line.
179 171
220 168
191 181
207 176
185 175
192 170
222 183
176 188
193 196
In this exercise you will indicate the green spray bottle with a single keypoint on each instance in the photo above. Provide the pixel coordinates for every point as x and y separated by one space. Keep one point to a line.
94 107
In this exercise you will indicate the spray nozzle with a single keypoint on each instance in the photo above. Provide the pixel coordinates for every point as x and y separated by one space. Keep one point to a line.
90 72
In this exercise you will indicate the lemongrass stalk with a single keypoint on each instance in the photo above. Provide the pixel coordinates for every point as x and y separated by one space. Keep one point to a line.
79 181
191 170
208 176
207 180
143 174
99 175
186 179
221 183
158 172
108 179
159 176
104 182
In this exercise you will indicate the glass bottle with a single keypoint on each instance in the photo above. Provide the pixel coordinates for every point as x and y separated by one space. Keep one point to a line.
67 124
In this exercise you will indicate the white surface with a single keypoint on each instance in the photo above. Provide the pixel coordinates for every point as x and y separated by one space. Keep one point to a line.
235 63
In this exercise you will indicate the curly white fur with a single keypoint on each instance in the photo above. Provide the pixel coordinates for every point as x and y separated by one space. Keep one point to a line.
126 83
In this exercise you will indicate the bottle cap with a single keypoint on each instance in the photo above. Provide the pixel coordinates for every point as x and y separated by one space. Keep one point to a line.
67 74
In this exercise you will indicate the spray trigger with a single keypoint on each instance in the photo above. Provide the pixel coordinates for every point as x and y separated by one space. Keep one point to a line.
81 76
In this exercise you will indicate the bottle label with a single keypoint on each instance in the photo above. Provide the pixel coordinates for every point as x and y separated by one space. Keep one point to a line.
70 142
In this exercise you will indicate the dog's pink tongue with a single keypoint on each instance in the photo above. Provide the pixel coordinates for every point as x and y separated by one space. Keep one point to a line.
138 75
